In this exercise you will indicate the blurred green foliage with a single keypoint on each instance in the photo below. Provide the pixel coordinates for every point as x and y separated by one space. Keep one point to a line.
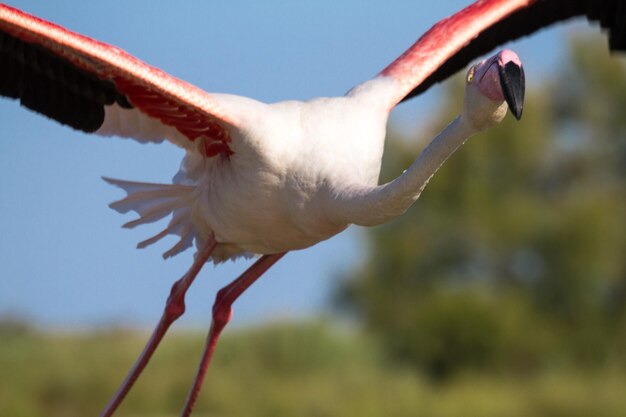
283 370
514 257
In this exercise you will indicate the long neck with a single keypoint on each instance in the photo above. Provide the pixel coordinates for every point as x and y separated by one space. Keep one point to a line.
368 206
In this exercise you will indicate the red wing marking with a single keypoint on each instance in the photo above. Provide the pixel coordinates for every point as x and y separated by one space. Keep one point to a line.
214 138
193 112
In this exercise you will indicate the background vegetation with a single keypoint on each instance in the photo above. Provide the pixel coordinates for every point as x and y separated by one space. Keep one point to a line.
502 292
304 369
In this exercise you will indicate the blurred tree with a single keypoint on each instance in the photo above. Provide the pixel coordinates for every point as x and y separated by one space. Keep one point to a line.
515 255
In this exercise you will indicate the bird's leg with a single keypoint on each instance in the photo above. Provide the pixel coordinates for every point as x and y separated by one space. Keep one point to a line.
222 313
174 308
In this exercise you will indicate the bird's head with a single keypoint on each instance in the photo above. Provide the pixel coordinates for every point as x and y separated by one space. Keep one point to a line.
493 86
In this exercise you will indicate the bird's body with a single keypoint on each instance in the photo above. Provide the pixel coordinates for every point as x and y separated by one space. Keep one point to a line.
290 158
270 178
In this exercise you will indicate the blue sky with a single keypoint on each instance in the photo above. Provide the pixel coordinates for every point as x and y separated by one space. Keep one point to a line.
64 260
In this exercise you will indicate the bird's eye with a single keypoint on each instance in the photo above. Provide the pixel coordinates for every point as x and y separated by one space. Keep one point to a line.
470 74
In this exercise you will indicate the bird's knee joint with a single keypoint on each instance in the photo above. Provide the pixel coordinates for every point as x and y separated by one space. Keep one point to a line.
222 314
175 308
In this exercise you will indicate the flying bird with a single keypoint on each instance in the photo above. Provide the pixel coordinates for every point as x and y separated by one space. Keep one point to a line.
265 179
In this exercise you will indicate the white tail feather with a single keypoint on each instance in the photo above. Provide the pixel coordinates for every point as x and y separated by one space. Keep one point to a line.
153 212
153 202
186 240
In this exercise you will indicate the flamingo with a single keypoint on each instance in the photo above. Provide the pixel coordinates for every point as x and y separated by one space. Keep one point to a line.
264 179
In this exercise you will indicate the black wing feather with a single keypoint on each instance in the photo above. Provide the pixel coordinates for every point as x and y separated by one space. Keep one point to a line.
50 85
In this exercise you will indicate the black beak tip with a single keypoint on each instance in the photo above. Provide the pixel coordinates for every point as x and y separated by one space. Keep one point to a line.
513 86
517 111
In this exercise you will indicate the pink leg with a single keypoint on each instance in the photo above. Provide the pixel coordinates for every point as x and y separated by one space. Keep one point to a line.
222 313
174 308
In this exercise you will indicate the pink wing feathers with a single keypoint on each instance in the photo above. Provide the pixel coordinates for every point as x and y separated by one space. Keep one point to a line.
443 40
92 81
93 86
454 42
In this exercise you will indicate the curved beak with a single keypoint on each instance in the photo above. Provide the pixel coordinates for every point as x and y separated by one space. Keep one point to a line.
513 85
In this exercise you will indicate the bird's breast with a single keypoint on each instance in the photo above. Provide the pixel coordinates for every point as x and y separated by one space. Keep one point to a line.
275 193
262 211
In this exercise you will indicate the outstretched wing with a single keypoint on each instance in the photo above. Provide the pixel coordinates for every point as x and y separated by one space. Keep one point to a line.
453 43
98 88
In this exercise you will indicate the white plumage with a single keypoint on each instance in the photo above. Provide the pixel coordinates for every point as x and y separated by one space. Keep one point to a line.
310 168
292 159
